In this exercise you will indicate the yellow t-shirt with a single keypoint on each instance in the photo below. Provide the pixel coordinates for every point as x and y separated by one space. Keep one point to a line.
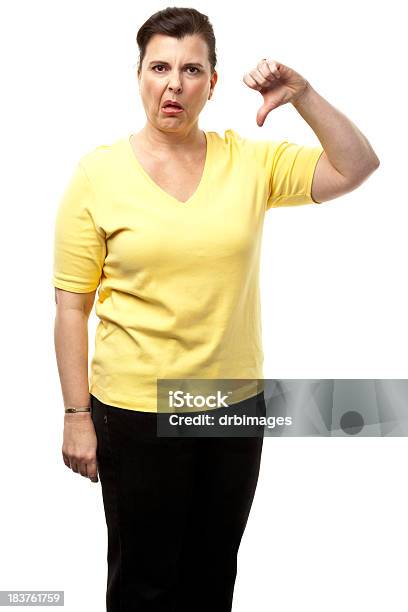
178 282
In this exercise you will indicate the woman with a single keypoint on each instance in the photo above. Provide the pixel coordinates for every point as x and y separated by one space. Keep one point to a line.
168 222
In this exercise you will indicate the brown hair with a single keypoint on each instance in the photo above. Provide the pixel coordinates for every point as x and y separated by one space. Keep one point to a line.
178 22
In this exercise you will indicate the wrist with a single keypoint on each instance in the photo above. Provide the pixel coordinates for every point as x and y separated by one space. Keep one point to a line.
79 408
303 95
77 416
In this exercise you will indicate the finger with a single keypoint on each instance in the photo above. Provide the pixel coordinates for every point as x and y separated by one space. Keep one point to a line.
272 65
92 471
83 470
262 81
265 71
274 68
250 81
66 460
74 466
259 79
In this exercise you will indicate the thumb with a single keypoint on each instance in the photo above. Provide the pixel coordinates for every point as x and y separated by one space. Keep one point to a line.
265 109
263 112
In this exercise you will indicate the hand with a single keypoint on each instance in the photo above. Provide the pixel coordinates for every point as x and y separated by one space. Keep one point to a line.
79 445
278 85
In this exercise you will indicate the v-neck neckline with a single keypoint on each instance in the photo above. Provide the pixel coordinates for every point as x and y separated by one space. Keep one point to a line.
163 192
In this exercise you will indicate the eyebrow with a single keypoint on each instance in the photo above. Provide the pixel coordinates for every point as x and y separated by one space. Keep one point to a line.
167 64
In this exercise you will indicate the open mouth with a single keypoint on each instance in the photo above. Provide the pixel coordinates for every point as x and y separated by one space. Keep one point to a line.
170 108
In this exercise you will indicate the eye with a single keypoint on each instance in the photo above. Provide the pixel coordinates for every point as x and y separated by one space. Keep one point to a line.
188 68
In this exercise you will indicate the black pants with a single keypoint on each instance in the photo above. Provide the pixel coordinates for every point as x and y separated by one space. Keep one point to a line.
176 510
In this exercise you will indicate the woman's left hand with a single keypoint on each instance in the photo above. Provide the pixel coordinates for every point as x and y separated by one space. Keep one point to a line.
277 83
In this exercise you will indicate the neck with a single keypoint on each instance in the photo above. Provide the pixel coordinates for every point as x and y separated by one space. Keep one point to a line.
165 140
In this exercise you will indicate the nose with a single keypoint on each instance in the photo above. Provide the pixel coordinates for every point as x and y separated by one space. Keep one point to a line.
175 88
174 82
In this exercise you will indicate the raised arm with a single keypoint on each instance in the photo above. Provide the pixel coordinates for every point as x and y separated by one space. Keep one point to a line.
348 158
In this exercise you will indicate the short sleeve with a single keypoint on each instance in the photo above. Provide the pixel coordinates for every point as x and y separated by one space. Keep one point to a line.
290 170
79 245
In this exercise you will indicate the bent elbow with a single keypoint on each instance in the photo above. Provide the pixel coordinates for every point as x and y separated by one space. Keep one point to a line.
368 172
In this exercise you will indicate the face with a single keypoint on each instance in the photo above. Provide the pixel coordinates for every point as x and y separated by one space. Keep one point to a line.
179 70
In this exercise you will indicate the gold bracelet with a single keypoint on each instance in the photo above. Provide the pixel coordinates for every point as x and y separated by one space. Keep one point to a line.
82 409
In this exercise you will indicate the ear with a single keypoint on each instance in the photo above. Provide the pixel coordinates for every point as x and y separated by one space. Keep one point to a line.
213 81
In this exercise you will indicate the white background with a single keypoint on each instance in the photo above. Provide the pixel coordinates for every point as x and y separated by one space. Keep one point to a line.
328 527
